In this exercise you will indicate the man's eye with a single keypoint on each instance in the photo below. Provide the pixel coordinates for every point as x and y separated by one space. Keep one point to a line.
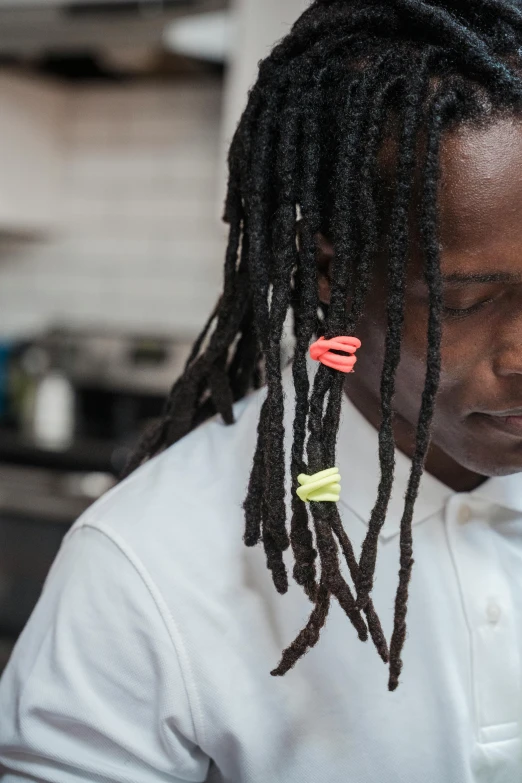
462 312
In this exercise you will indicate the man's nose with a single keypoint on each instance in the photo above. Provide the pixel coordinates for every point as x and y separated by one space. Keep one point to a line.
508 351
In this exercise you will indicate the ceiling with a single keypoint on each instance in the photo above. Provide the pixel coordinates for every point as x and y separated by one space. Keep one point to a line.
30 27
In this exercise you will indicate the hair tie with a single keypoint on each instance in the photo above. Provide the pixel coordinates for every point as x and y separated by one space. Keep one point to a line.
322 486
321 351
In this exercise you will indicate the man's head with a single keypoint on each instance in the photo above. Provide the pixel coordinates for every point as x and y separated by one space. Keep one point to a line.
477 425
389 127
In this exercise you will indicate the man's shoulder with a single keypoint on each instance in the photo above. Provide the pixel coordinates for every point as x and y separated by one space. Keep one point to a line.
184 490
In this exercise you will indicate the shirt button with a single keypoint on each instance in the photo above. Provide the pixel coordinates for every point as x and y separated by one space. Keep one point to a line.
493 612
464 514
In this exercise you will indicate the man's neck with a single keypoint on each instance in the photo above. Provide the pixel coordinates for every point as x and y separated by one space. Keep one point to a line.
438 463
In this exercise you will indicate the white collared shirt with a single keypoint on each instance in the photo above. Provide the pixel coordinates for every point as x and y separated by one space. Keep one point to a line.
148 656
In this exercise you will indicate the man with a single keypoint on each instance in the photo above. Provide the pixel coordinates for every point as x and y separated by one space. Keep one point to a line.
374 191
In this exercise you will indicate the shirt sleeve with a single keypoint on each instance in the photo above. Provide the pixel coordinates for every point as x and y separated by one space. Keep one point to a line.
94 690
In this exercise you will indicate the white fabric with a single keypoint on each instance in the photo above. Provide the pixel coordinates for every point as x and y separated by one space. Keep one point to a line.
148 655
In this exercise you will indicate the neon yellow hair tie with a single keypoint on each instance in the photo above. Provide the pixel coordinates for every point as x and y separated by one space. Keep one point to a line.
322 486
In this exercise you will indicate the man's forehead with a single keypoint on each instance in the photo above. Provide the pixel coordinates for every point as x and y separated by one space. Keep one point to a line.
480 192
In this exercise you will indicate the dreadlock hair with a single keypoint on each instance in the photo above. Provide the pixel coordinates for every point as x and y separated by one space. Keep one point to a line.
305 160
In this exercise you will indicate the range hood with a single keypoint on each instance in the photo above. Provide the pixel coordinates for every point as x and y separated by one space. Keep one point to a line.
30 27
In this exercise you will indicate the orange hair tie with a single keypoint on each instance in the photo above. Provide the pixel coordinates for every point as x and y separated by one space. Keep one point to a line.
321 351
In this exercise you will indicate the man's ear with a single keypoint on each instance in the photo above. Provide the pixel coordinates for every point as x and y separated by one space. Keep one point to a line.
324 260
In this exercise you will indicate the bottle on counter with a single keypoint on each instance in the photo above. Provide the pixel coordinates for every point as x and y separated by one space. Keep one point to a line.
54 414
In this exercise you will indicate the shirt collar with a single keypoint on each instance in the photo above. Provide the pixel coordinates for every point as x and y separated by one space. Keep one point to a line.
504 491
358 463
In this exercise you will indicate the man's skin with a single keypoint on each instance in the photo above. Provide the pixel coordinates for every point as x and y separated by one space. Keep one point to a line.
477 429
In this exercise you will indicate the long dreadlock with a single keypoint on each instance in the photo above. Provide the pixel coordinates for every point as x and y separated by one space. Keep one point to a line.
304 161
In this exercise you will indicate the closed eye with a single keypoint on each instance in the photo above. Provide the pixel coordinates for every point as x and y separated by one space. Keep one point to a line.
462 312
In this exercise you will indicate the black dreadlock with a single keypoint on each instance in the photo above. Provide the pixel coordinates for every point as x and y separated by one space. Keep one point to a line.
304 161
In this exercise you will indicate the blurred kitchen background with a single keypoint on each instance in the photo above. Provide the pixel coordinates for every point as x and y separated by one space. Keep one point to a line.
115 117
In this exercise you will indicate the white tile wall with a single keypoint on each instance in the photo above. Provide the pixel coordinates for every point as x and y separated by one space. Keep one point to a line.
140 245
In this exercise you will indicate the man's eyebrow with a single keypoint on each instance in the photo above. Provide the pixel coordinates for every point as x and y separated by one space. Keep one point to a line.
461 278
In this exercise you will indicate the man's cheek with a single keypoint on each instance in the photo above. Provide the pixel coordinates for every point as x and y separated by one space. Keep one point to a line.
457 382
